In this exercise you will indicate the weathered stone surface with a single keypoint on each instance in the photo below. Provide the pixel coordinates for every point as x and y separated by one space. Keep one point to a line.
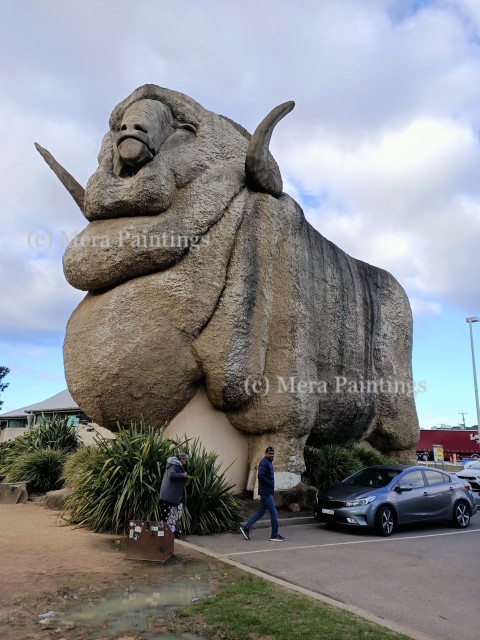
56 499
305 495
301 494
13 493
199 269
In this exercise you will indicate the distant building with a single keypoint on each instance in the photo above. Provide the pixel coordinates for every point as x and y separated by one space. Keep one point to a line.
17 422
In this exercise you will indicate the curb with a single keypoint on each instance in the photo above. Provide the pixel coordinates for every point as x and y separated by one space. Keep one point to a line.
285 522
361 613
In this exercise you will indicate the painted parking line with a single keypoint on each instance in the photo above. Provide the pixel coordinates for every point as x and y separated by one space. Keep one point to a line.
338 544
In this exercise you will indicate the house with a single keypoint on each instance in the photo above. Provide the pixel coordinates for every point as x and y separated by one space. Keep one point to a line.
17 422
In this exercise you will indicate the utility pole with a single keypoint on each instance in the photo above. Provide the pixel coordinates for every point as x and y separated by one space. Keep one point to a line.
463 414
470 321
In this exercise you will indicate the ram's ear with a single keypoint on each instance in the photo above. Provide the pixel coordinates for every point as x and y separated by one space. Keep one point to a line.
185 126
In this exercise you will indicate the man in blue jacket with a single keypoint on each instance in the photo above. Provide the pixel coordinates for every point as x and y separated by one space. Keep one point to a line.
266 486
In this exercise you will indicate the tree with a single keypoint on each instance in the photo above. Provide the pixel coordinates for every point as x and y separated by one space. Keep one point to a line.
3 385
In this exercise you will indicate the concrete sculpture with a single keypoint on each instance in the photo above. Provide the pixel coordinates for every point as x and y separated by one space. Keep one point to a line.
199 269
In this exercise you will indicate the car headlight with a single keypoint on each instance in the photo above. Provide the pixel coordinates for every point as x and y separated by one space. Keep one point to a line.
360 502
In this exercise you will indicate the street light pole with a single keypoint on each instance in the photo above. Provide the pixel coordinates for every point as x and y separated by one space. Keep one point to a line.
470 322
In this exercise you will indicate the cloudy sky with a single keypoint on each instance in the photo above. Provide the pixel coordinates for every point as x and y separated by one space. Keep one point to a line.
382 149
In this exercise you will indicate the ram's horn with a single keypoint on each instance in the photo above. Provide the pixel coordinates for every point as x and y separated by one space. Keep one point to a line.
71 185
262 171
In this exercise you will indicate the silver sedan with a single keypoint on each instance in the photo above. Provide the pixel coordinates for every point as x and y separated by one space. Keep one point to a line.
384 496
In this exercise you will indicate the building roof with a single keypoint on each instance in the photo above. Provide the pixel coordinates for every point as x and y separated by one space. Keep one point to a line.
62 401
16 413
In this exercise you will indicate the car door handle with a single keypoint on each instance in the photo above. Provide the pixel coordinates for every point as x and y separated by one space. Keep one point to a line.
452 489
425 493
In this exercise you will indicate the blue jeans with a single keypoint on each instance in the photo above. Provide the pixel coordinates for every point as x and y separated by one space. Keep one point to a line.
266 504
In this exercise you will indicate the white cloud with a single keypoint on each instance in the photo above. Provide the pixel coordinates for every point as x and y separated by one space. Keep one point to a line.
405 199
37 301
383 138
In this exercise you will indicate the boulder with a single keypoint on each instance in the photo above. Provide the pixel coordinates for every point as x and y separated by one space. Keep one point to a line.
56 499
13 493
305 495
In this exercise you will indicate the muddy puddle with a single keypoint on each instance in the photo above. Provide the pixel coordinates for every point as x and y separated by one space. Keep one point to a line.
138 610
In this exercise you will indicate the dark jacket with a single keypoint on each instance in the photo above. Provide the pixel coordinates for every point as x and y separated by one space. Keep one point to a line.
266 483
173 481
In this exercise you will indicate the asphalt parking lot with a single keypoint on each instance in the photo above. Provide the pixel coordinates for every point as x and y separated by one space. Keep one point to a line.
426 578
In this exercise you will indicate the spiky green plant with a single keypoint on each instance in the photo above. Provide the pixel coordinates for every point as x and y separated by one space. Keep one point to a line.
4 448
210 505
76 464
117 480
370 457
329 464
42 467
54 433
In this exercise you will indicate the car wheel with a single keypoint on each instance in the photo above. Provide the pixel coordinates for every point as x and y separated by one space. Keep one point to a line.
475 456
385 521
461 515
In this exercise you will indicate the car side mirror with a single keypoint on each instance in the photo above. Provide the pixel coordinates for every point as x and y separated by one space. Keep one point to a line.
403 487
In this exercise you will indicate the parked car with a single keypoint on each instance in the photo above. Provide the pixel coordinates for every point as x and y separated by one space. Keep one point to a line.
385 496
470 463
471 474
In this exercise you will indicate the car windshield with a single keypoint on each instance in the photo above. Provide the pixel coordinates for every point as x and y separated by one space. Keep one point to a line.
475 465
372 477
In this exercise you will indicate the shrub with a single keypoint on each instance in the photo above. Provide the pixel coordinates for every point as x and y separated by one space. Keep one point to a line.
4 448
370 457
119 480
43 468
329 464
53 434
210 505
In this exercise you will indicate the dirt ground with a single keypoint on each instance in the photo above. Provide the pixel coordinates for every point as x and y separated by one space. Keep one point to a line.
41 561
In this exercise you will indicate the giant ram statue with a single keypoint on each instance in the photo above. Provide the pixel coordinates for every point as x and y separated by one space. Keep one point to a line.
200 270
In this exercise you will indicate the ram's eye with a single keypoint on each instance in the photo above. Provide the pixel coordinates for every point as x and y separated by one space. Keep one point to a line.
186 126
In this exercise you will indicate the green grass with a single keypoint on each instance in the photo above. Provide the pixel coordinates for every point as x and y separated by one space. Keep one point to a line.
255 608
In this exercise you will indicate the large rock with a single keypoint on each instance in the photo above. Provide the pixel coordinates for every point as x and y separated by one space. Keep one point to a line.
13 493
56 499
199 269
301 495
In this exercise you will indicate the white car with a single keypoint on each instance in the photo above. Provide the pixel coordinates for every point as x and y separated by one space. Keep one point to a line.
469 463
471 474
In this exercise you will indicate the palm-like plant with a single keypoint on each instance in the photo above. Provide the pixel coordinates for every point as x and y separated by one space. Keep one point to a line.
41 467
210 505
4 449
117 480
53 434
370 457
329 464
